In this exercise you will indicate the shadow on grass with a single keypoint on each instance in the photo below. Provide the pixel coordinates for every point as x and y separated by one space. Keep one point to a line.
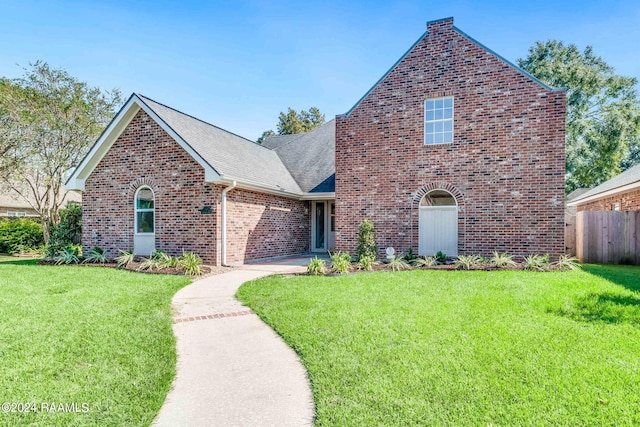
19 261
623 275
605 307
608 307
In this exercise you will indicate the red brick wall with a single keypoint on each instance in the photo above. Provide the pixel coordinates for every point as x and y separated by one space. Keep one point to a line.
146 155
263 226
505 166
629 201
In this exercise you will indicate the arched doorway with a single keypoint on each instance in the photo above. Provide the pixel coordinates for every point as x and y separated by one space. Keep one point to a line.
144 236
438 223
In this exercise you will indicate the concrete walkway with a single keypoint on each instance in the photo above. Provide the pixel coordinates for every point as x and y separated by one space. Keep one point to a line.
233 370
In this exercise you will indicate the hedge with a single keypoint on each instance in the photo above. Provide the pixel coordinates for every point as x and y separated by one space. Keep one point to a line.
20 235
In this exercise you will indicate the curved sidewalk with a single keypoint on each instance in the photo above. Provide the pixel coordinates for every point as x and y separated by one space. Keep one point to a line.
233 370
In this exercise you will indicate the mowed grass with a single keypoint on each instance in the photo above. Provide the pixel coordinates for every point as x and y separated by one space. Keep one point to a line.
85 335
458 348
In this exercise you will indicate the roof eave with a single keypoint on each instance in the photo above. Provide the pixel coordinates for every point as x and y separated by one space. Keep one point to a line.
607 193
319 196
256 186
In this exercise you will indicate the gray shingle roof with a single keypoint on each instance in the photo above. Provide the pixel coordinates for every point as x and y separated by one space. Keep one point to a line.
310 157
232 156
11 199
627 177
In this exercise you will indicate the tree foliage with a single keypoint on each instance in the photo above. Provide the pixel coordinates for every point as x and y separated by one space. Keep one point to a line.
293 122
48 121
603 110
265 135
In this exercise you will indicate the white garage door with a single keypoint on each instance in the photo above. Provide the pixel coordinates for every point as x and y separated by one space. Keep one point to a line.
438 230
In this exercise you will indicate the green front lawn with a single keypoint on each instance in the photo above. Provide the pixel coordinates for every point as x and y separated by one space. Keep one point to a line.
85 335
458 348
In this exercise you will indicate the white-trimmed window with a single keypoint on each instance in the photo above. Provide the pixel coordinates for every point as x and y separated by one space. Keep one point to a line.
145 211
16 214
438 120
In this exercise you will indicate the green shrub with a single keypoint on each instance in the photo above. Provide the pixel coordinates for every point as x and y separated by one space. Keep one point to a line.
398 263
124 259
567 262
467 261
502 260
427 261
191 264
150 264
20 235
67 232
366 263
166 261
341 262
96 256
67 256
316 266
441 257
410 257
367 240
536 262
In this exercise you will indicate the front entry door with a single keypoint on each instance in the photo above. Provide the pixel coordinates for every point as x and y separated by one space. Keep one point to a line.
318 228
323 226
332 226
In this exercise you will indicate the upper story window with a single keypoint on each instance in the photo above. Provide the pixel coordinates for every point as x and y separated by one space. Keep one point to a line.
145 210
438 120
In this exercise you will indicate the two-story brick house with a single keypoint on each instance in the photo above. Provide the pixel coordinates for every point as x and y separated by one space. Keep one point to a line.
453 149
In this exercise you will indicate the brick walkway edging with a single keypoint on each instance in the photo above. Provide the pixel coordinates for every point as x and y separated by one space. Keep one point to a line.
212 316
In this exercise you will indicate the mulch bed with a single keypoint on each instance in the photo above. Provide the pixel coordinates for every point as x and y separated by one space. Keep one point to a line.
207 270
448 266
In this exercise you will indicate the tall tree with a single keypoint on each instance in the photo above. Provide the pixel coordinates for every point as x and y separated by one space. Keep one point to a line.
603 110
48 121
293 122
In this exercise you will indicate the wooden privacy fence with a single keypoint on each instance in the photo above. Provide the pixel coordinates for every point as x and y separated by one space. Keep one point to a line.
608 237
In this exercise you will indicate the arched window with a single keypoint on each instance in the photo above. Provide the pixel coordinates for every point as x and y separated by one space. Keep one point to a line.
438 198
145 210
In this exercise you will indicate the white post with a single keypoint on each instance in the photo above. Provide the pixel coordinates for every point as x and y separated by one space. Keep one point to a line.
223 228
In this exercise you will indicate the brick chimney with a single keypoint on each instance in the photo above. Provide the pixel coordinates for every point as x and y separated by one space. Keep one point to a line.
440 24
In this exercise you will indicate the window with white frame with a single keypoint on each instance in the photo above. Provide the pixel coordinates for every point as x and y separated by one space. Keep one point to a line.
145 210
16 214
616 207
438 120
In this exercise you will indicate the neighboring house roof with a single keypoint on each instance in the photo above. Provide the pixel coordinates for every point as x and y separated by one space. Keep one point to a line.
576 193
290 165
310 157
230 155
625 181
13 200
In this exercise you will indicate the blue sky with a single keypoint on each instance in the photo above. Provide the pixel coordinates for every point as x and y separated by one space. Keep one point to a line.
238 64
